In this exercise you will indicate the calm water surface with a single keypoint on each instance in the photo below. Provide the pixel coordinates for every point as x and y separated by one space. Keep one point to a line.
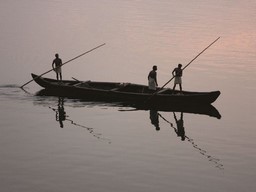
104 147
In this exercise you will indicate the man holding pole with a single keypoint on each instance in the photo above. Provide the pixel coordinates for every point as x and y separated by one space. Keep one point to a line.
177 73
56 65
63 64
152 79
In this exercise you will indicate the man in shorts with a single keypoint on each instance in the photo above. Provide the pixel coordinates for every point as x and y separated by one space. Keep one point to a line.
152 79
56 65
177 73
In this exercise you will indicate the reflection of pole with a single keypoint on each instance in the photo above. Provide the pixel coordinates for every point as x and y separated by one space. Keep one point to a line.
201 151
91 130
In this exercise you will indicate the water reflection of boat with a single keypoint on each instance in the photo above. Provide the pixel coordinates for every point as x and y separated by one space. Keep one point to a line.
195 109
179 129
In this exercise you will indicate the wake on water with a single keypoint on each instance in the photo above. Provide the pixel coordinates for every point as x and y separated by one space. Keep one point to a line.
9 86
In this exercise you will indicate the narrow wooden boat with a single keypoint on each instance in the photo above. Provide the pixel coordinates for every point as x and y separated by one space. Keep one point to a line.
124 92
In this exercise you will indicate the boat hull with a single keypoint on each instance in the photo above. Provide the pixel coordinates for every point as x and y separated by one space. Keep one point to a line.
124 92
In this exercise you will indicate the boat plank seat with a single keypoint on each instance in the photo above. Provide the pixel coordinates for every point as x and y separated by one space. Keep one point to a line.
121 86
84 83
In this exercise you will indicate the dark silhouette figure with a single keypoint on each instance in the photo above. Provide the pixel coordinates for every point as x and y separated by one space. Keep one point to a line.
62 116
180 131
60 112
154 117
177 73
56 65
152 79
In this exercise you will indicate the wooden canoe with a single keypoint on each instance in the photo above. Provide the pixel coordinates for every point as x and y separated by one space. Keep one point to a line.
124 92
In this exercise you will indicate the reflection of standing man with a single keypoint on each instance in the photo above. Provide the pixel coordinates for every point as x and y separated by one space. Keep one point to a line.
154 117
152 80
61 114
180 131
56 65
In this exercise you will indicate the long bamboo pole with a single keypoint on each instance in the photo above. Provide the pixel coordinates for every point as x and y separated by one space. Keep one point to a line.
191 61
182 69
63 64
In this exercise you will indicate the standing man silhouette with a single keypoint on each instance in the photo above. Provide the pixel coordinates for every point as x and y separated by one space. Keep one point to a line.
177 73
56 65
152 80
